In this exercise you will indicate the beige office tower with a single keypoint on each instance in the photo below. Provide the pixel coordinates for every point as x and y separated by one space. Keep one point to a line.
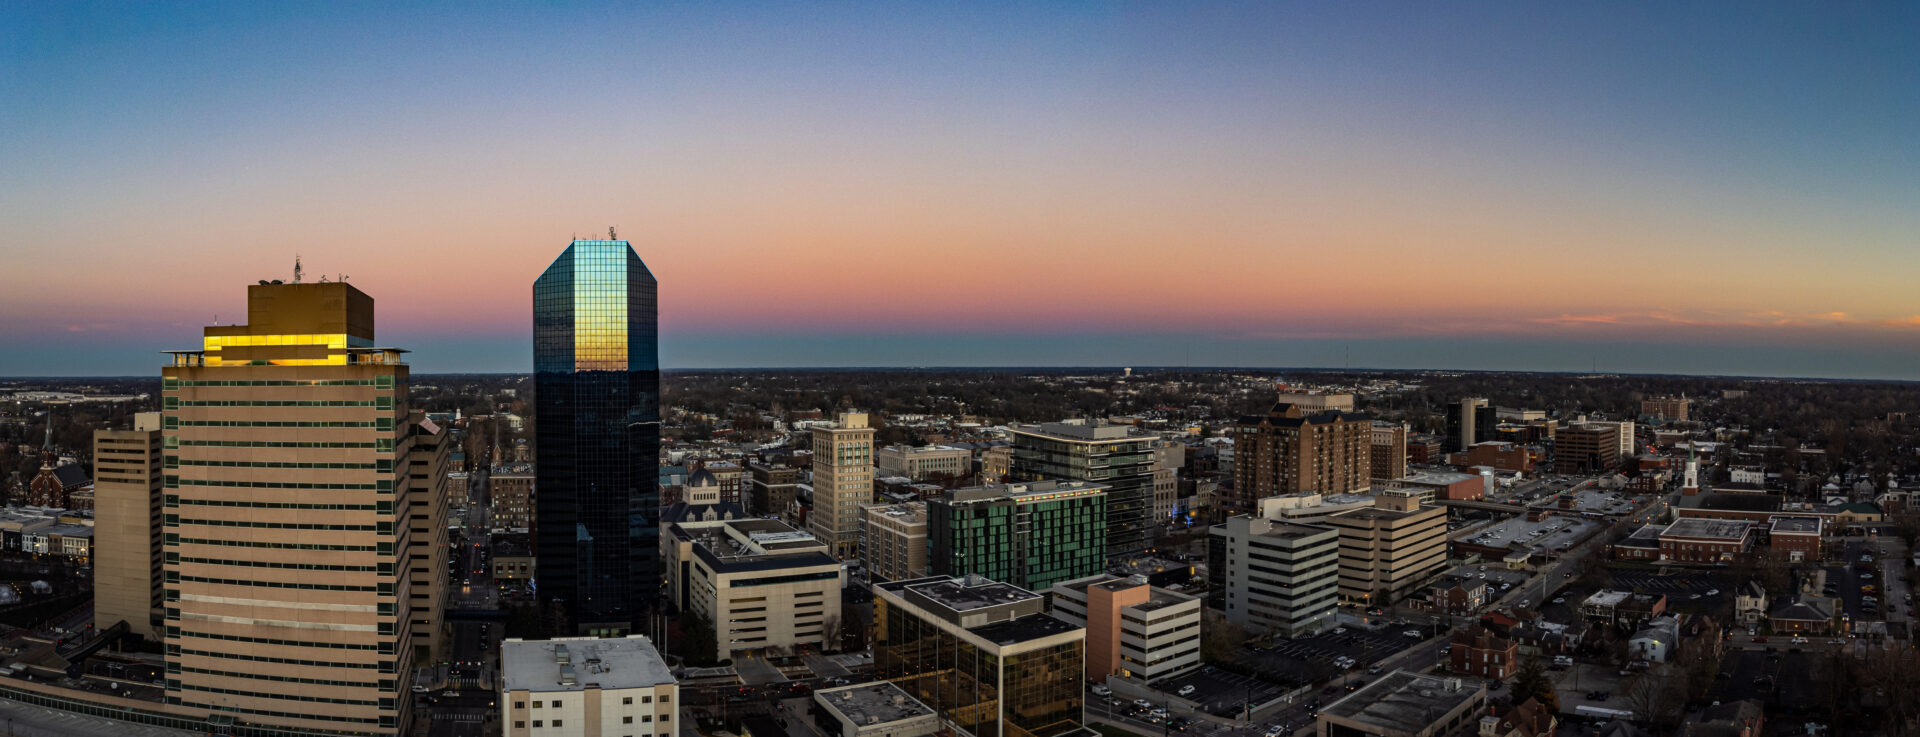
299 526
842 482
126 526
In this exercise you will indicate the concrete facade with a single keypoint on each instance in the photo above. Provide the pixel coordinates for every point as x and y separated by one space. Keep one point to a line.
1390 550
842 482
1133 630
127 535
1273 575
586 687
895 544
761 583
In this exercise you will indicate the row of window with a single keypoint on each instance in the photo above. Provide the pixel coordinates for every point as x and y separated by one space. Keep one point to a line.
383 381
173 577
175 500
171 422
263 659
175 539
383 465
173 441
271 712
176 402
281 679
175 481
275 525
174 631
271 564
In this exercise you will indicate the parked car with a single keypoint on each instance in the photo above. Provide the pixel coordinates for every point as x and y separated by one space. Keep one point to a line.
1799 640
1186 690
1101 690
1411 633
1143 703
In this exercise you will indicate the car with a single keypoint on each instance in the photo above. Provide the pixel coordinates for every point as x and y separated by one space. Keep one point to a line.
1101 690
1713 592
1158 711
449 694
1339 630
1143 703
1187 690
1411 633
1444 649
1799 640
422 689
1504 586
1275 731
1374 671
1693 596
1866 577
1526 603
1559 600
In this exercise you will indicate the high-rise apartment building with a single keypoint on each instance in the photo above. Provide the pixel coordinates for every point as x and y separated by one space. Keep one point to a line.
1470 421
1099 453
842 482
295 521
894 541
126 527
1032 535
1669 408
596 376
1288 452
1276 576
1389 549
1590 447
982 653
1389 454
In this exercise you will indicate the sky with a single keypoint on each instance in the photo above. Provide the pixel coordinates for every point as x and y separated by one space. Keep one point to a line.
1665 187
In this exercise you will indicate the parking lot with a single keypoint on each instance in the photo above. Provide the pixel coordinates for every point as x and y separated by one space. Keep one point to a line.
1308 660
1783 677
1687 589
1221 693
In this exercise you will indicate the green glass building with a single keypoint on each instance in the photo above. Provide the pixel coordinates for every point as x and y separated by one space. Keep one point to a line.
1031 535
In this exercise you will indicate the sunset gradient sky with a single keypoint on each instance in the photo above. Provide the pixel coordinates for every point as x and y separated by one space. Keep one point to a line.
1659 187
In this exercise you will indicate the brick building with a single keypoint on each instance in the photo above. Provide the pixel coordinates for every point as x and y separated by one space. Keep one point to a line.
1694 540
1288 452
1478 651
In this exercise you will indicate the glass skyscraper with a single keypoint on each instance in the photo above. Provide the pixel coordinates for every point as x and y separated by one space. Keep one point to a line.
596 369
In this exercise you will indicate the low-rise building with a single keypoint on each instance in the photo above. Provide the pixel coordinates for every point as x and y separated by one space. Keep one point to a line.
1642 544
1807 613
1798 538
1657 640
761 583
1623 608
1750 604
1134 630
878 709
1444 485
1460 596
939 462
1697 540
587 686
1406 704
1527 719
1479 651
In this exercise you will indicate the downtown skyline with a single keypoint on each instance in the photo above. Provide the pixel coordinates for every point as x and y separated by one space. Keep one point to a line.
1668 190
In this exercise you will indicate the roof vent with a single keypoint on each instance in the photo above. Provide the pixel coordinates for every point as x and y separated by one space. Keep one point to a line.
566 675
561 656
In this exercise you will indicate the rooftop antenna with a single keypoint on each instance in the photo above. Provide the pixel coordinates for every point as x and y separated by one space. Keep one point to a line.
296 269
610 234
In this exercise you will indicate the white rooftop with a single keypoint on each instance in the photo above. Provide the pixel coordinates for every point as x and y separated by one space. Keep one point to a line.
610 663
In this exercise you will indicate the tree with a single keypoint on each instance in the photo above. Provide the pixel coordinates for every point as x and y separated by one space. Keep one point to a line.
1531 682
698 646
1658 695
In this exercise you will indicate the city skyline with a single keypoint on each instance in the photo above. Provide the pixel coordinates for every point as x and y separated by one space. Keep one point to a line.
1670 190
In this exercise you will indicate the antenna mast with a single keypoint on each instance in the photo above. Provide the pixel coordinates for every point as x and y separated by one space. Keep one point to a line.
296 268
610 234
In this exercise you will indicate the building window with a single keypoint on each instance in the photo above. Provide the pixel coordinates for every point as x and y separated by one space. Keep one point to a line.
536 724
626 700
626 720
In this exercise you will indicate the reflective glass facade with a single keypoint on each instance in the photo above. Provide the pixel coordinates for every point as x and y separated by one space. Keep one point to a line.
596 374
1125 466
985 690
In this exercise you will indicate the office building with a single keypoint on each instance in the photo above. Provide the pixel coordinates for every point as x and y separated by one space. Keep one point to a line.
1586 448
1313 401
1031 535
983 654
587 687
1134 630
842 482
761 583
1274 576
126 527
596 378
1099 453
1288 452
510 502
1388 454
877 709
895 541
1469 421
770 488
1389 550
295 519
937 462
1666 408
731 478
429 480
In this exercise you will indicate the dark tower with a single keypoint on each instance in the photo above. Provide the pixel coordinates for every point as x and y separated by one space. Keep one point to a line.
596 369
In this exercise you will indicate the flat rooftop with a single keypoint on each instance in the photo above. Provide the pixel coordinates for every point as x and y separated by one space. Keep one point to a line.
1443 478
1735 502
612 663
1702 528
1607 597
1796 525
963 594
868 704
1552 532
1406 701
